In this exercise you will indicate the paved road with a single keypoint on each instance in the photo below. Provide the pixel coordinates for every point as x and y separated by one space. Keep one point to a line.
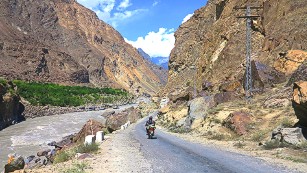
168 153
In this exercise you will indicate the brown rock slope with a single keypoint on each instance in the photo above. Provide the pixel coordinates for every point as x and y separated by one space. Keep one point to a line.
61 41
210 47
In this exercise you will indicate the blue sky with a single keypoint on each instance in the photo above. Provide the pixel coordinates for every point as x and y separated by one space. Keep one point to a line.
146 24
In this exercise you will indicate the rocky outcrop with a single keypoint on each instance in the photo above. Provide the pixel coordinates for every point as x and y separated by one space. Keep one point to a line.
63 42
299 102
115 121
210 47
291 61
10 107
299 75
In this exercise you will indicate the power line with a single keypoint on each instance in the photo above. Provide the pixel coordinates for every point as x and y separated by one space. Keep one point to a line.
248 77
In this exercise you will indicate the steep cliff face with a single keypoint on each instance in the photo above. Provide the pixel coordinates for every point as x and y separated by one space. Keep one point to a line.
61 41
210 47
10 107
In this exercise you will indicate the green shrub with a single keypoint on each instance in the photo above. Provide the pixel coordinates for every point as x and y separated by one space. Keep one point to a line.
58 95
87 148
76 168
62 156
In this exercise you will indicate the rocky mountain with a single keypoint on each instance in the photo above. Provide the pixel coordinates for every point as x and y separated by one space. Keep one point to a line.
63 42
210 47
159 70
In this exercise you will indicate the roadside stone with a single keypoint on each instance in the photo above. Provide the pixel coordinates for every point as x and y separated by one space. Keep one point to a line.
82 156
43 153
15 163
237 121
292 136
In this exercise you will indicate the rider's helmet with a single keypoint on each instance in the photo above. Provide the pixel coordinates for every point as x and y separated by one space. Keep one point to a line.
150 117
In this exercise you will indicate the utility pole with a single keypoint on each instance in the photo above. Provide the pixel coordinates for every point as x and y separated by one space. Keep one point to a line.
248 78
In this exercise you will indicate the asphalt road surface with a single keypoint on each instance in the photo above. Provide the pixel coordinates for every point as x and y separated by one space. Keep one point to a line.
168 153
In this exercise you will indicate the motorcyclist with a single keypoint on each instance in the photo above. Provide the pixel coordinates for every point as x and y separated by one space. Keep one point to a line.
150 122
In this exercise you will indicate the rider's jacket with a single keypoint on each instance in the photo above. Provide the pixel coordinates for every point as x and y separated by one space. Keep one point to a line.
150 122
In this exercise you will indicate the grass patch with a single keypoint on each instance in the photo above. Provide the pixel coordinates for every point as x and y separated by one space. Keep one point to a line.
58 95
76 168
286 122
239 144
218 137
180 130
216 120
258 136
3 81
87 148
272 144
65 155
302 145
62 156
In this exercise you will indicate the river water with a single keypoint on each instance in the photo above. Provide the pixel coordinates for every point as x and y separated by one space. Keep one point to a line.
33 135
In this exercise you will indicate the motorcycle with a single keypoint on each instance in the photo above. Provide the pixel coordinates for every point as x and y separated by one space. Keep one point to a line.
151 131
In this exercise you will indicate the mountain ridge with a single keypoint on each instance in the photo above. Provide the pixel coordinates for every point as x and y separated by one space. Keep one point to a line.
63 42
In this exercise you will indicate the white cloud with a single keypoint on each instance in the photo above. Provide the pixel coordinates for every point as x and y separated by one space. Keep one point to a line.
187 18
155 3
106 10
123 5
156 43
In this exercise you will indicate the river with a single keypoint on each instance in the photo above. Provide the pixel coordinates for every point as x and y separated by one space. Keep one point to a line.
32 135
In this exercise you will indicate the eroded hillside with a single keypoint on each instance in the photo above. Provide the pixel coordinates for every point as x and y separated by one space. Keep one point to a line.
210 47
63 42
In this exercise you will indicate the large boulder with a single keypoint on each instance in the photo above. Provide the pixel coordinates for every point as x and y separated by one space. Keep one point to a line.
299 101
197 110
91 127
115 121
15 163
291 61
238 122
269 75
290 135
